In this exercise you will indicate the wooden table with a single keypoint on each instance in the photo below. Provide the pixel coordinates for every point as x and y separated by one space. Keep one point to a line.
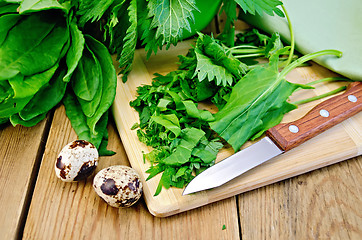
34 204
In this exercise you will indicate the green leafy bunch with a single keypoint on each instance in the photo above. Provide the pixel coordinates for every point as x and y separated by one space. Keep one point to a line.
171 120
46 58
254 99
178 131
153 24
59 51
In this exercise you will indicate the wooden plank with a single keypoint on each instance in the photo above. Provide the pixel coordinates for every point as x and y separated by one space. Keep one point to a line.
73 210
336 144
20 153
323 204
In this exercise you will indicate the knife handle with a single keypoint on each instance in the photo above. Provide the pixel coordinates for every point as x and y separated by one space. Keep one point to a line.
322 117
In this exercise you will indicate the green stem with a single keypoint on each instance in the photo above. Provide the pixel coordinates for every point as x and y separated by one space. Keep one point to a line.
306 58
246 51
320 96
329 79
243 46
249 55
292 41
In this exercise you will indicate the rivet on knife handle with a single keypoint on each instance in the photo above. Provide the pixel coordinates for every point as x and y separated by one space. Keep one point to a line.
319 119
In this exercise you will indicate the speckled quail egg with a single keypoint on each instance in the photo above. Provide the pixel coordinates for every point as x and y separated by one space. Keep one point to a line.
119 186
76 161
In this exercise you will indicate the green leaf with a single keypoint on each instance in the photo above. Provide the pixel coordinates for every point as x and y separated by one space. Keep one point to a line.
5 90
47 97
8 7
16 119
28 86
166 180
194 112
189 139
28 6
274 44
7 22
154 170
90 10
109 81
207 150
171 18
228 34
103 151
261 6
4 120
79 121
86 77
33 45
75 51
257 102
90 107
147 34
170 122
129 41
207 69
214 62
11 106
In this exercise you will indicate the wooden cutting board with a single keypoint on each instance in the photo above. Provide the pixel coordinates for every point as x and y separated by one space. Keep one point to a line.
336 144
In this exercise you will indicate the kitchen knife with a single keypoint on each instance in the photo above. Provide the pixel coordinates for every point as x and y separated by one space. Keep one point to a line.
281 138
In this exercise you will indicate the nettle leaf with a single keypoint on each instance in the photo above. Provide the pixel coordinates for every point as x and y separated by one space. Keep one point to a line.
90 10
129 40
215 62
147 34
207 69
274 44
171 18
228 34
261 6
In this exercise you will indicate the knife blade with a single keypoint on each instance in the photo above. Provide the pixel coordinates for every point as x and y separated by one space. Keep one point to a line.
281 138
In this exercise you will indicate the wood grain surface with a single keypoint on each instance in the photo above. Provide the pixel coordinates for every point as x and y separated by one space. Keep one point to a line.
334 145
61 210
323 204
20 153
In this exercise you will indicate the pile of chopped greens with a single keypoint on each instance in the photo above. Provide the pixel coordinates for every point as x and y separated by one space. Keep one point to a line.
55 52
251 97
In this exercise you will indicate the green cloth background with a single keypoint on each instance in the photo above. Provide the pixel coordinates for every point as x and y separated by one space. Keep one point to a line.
319 25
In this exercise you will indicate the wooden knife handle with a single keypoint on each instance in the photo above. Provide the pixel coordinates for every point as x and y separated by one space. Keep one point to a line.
320 118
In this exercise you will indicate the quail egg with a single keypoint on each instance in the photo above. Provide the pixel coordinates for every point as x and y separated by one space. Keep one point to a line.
119 186
76 161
